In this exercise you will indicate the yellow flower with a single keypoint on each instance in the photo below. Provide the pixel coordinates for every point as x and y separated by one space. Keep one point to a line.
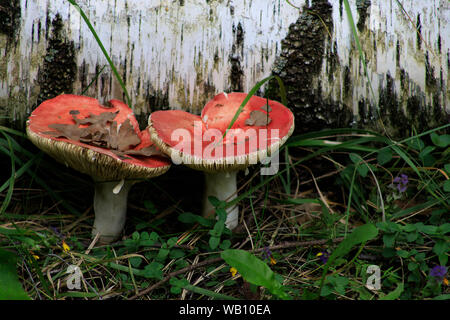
445 281
66 248
36 257
233 271
273 261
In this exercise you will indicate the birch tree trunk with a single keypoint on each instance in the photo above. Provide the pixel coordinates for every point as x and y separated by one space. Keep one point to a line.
179 54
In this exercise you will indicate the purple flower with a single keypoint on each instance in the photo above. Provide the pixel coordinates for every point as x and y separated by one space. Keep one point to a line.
438 272
323 256
401 182
267 253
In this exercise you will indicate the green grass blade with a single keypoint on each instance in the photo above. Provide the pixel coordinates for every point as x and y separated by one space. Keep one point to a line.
11 180
105 53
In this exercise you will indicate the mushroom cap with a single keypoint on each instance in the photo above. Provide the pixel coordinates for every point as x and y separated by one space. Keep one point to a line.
98 162
202 146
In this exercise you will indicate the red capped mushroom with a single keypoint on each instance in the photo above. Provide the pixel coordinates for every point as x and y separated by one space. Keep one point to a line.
198 142
102 141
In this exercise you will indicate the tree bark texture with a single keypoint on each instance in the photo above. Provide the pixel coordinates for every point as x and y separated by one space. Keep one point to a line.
179 54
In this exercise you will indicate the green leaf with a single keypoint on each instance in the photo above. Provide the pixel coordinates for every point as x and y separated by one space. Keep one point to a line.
416 143
135 236
153 270
412 266
412 236
150 206
428 229
214 201
254 270
147 240
389 239
176 253
188 217
225 244
443 228
214 242
360 164
440 247
447 186
394 294
135 261
409 227
10 286
403 253
384 156
426 157
218 229
162 254
440 140
172 242
359 235
447 167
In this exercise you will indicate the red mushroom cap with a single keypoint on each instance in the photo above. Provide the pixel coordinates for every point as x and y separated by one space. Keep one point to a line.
96 161
257 131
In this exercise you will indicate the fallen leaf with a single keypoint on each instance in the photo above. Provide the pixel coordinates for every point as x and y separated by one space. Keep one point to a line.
103 131
101 119
68 131
258 118
127 137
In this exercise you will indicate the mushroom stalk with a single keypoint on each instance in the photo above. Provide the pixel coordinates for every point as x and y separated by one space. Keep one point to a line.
110 207
223 186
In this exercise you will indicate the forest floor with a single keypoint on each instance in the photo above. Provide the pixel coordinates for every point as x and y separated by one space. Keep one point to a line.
364 220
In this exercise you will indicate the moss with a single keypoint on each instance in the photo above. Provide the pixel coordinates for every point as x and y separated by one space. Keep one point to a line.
157 99
11 105
10 18
302 54
236 74
361 7
419 30
398 120
58 71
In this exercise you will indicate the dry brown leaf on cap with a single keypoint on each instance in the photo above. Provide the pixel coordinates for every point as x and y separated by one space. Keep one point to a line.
100 119
258 118
68 131
113 138
127 137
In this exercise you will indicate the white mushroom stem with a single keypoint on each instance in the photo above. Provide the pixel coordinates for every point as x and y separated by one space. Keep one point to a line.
223 186
110 207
